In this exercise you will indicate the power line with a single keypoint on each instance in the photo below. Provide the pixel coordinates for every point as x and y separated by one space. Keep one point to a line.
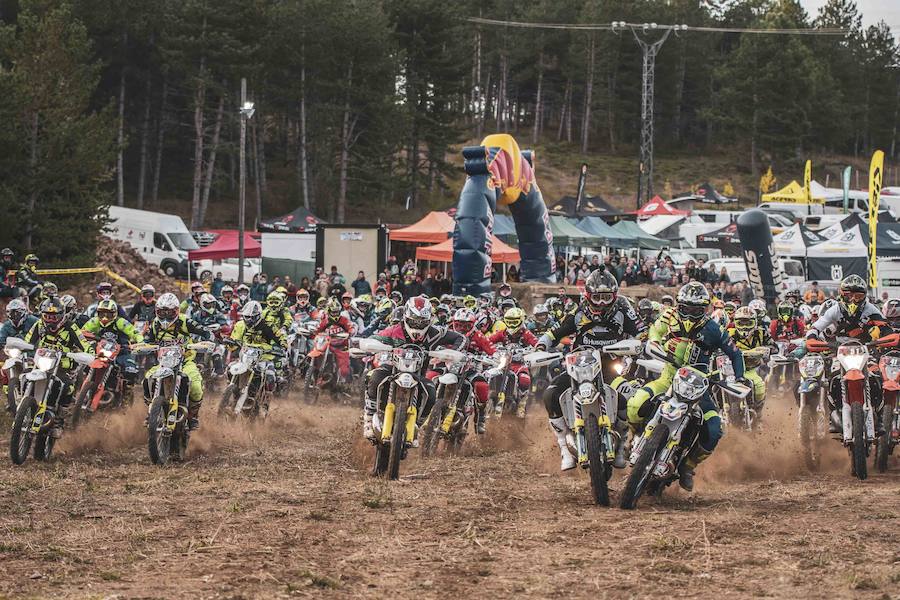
621 25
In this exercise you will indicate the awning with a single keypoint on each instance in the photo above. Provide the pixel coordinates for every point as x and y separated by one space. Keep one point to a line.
725 239
611 236
298 221
443 252
792 193
838 257
591 206
226 246
566 234
657 206
435 227
795 240
644 239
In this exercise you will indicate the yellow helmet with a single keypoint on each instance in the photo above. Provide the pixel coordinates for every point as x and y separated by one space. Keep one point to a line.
745 320
275 300
470 302
514 319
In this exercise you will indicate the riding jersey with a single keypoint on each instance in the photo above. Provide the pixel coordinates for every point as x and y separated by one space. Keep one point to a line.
124 331
781 330
758 338
67 339
258 336
868 325
618 322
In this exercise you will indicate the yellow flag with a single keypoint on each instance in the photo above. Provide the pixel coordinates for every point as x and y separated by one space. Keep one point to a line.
807 178
876 169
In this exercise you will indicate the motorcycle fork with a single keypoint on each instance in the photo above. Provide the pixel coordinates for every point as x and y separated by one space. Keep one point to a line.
451 411
172 416
101 388
390 416
856 391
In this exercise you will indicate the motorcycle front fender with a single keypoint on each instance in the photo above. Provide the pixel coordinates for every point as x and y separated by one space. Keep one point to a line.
237 368
36 375
162 373
448 379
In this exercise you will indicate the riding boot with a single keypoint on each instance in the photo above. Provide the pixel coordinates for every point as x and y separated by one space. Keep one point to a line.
620 461
480 418
370 406
559 427
834 423
689 466
65 411
194 415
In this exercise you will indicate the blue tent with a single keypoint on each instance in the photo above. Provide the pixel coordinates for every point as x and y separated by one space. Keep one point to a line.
599 227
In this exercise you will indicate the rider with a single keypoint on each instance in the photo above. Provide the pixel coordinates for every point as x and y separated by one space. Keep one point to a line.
505 293
191 305
602 318
787 326
852 316
18 323
144 309
242 291
26 276
513 331
252 330
692 337
303 310
170 327
762 315
104 291
276 313
8 287
416 327
541 321
107 322
442 315
381 317
52 331
747 336
335 321
463 323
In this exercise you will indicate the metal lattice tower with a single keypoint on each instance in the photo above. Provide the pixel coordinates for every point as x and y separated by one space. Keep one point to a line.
645 169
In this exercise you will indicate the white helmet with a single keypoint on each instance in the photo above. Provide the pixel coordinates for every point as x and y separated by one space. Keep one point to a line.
417 318
252 313
167 308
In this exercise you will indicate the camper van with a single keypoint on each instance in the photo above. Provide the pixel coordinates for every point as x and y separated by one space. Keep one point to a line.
160 239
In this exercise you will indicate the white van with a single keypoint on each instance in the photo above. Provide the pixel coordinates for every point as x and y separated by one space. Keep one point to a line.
161 239
737 270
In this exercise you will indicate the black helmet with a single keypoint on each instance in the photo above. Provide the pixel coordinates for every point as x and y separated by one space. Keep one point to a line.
853 295
667 300
693 301
645 309
600 291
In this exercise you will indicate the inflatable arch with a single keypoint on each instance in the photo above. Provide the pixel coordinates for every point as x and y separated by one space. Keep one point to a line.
499 173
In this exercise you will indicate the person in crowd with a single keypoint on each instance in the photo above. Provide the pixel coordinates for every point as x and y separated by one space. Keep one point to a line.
360 285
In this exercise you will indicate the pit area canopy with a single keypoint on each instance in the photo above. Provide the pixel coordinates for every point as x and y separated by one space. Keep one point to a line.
443 252
434 228
226 246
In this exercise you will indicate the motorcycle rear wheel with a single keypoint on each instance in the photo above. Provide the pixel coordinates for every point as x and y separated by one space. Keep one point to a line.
883 449
596 462
159 442
641 472
858 446
227 402
21 437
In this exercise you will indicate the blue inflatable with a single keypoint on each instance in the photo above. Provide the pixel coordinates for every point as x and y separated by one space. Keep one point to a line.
499 173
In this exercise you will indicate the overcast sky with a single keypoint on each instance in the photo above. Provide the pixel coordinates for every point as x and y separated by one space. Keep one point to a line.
872 11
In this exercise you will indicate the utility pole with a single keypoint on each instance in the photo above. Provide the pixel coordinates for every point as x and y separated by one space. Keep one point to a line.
650 49
246 111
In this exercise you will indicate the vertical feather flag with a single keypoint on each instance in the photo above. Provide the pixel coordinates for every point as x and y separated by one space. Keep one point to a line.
876 169
807 178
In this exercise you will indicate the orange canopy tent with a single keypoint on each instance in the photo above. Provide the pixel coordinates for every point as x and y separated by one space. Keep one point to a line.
435 227
443 252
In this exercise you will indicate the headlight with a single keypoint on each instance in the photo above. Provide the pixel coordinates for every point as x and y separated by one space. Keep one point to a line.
689 384
891 367
170 357
617 367
586 390
852 362
45 363
105 352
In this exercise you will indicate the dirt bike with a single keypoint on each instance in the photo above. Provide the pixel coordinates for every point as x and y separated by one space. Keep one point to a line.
395 424
322 372
889 365
103 385
505 395
16 364
783 367
39 407
211 362
248 390
454 404
857 418
167 419
814 413
673 430
735 410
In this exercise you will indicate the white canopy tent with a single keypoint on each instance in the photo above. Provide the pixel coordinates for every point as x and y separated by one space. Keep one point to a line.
838 257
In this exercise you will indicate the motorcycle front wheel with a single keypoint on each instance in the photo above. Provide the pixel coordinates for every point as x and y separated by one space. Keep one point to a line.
226 404
883 449
43 445
597 465
809 436
159 440
398 440
858 445
20 437
643 468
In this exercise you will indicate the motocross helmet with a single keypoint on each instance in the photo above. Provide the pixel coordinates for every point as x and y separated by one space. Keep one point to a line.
463 321
483 322
717 304
506 304
852 296
53 314
759 307
7 255
730 307
434 302
785 311
321 302
442 312
891 311
667 300
416 318
645 310
50 290
397 297
148 292
333 309
252 313
385 307
302 298
793 296
693 302
470 302
32 260
68 304
197 290
745 320
600 291
514 319
167 308
446 299
541 314
275 300
104 290
346 299
242 291
364 304
209 305
505 290
16 312
107 312
227 293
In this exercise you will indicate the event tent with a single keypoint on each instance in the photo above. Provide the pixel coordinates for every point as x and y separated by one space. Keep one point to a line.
435 227
643 239
612 237
226 246
655 207
566 234
795 240
505 228
793 193
838 257
591 206
709 195
443 252
298 221
725 239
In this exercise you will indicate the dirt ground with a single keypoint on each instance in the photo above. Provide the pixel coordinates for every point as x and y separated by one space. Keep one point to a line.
287 509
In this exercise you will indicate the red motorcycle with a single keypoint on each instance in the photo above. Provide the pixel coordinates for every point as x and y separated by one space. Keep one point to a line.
104 384
889 365
323 371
